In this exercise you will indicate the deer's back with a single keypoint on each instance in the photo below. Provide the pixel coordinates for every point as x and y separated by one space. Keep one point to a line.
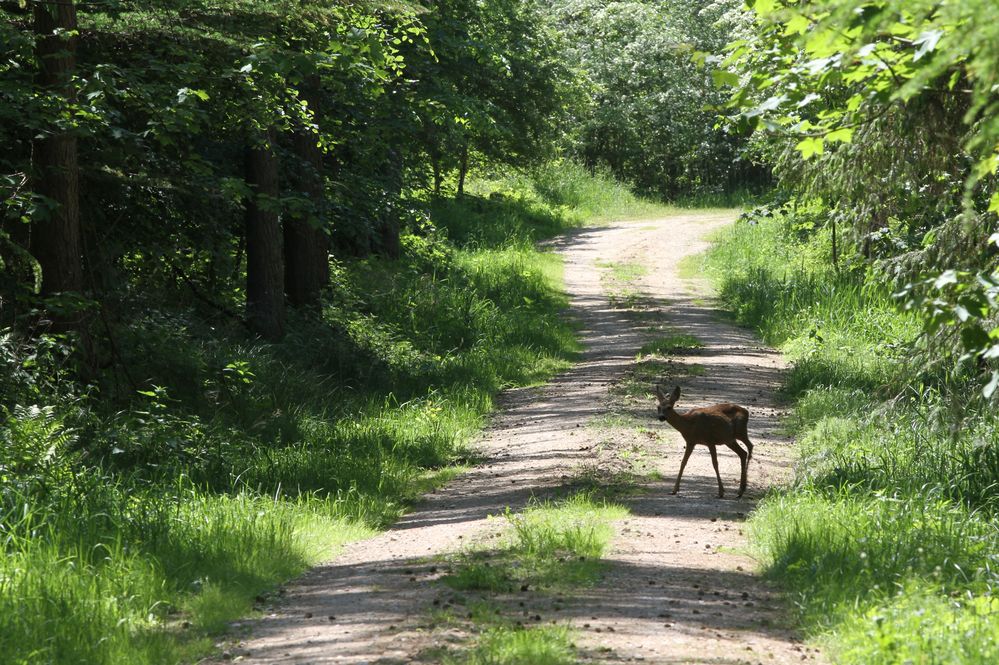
719 422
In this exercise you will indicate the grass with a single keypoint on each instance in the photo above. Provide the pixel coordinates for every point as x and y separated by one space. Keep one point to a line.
619 280
540 204
670 345
657 362
137 524
548 548
623 271
887 541
149 581
505 645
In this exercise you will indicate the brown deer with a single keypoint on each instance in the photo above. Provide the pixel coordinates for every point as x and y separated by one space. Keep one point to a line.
711 425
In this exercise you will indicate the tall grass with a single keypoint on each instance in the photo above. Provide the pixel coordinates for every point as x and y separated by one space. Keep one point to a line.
133 532
887 540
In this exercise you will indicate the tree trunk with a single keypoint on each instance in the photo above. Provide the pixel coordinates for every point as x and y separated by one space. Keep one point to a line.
264 266
435 163
55 236
388 228
306 248
462 169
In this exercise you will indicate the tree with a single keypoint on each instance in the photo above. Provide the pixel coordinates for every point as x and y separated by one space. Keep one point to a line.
264 265
496 88
649 119
306 247
885 113
55 238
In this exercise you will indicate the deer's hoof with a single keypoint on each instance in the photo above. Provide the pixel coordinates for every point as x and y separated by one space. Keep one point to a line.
674 492
721 495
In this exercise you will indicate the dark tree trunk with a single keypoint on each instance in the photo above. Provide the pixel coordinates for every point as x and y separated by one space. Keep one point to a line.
55 237
306 247
435 163
462 169
388 228
264 266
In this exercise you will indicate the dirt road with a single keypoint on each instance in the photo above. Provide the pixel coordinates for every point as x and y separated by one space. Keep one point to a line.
679 588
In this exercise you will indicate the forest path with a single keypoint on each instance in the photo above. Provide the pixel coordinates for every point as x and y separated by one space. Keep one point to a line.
678 588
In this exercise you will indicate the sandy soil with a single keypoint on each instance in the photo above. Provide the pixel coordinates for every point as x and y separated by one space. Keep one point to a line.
679 588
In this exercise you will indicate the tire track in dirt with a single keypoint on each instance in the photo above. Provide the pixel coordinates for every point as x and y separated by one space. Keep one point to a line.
677 590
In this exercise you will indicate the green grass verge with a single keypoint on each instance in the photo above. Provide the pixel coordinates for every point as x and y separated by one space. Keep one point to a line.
671 344
548 545
549 548
887 541
506 645
658 361
622 271
135 528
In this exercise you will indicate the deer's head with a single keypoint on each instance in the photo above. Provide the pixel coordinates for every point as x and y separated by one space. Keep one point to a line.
666 402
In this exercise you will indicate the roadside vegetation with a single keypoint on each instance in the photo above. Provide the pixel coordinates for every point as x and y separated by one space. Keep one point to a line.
873 266
544 552
134 535
887 539
260 281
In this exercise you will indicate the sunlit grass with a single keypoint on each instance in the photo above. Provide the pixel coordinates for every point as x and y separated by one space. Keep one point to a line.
147 580
241 464
887 542
547 545
671 344
505 645
622 271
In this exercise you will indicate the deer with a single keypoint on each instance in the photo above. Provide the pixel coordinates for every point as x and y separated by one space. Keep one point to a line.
710 425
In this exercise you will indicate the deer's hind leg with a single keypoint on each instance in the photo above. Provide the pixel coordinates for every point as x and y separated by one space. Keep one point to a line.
714 463
742 434
744 462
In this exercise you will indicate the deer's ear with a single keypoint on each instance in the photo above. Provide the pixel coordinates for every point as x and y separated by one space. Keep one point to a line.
676 394
659 393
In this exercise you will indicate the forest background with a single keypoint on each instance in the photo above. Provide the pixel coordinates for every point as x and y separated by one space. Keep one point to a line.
265 265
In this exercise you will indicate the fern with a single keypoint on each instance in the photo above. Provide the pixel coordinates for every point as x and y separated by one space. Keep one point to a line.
35 449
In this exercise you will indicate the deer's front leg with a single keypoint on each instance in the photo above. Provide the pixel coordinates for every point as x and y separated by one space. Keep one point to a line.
686 456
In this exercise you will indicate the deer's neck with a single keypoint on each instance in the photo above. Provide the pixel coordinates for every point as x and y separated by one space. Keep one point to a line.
678 421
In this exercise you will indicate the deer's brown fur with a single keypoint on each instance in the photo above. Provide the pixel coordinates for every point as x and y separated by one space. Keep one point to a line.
719 424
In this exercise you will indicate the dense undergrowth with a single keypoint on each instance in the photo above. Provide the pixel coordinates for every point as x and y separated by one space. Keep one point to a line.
888 540
143 510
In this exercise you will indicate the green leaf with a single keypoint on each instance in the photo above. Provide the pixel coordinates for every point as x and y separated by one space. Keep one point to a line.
798 25
994 203
724 78
927 42
945 278
990 389
813 145
844 135
763 7
771 104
